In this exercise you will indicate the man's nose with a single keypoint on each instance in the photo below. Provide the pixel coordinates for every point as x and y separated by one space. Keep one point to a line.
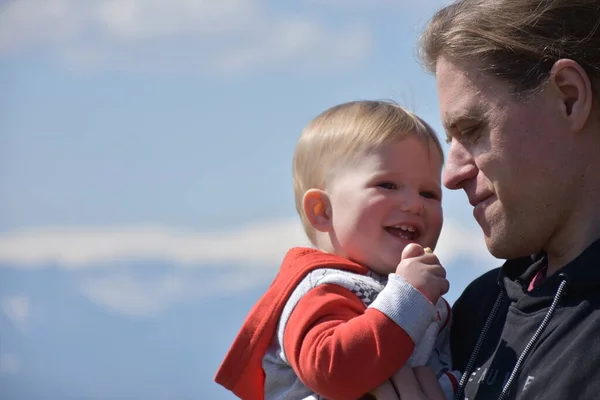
460 167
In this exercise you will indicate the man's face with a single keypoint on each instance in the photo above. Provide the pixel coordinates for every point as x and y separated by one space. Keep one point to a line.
509 156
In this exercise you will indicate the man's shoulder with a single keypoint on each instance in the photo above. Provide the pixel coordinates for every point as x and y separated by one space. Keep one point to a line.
483 284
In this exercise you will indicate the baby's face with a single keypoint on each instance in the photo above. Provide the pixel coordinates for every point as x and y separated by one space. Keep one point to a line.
384 200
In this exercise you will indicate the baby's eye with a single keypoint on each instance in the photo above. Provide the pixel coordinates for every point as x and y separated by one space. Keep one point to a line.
388 185
429 195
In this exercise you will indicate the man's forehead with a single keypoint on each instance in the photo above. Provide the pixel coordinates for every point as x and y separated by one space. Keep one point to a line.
459 90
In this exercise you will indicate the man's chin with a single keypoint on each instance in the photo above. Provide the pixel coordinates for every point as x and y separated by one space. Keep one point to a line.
505 249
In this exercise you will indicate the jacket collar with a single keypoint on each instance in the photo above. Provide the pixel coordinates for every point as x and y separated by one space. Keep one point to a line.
582 275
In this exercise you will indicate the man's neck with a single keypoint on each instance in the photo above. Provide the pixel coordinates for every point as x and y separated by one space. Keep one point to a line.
581 230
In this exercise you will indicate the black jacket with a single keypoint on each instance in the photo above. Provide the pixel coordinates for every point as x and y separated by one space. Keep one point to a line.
554 330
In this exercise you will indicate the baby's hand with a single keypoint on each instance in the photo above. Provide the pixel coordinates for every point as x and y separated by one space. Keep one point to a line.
423 271
403 385
429 383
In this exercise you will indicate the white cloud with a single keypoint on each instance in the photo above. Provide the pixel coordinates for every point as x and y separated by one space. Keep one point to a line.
214 36
463 240
127 295
73 248
9 364
252 253
133 295
261 243
16 308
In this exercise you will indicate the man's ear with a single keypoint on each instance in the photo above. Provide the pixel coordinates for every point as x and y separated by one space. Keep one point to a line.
317 209
574 88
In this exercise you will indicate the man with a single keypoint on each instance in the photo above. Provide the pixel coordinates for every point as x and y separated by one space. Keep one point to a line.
518 85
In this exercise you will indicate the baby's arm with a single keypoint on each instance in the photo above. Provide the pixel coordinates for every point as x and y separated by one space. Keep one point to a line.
421 382
340 350
440 360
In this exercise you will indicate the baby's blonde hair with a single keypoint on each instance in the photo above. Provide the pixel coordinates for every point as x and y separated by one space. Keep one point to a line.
343 132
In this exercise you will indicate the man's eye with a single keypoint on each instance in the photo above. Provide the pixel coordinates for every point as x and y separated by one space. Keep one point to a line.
471 134
388 185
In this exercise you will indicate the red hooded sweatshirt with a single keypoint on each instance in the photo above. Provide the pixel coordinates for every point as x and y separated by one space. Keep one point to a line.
241 371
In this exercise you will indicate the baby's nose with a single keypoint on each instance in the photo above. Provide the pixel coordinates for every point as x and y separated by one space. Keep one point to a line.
412 203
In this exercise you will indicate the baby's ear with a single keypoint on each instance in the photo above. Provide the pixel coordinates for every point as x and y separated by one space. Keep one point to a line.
317 209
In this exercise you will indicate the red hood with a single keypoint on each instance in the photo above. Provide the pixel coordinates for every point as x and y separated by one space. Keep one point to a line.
241 371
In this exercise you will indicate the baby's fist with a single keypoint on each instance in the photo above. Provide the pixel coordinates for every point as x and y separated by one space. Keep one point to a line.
423 271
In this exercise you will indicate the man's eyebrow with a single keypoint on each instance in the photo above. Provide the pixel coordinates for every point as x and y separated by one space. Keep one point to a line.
452 119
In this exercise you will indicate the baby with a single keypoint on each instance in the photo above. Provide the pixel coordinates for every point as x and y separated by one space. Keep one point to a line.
351 317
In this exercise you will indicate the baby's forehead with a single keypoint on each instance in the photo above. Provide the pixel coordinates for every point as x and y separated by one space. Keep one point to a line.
392 153
412 141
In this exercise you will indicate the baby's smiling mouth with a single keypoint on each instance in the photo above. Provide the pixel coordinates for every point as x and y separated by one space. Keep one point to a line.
403 231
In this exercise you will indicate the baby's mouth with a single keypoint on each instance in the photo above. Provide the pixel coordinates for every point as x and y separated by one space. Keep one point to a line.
403 231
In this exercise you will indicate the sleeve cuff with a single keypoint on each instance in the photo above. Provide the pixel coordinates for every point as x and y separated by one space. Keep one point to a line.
406 306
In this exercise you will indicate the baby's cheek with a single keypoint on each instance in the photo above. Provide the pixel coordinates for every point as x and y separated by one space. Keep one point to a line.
435 217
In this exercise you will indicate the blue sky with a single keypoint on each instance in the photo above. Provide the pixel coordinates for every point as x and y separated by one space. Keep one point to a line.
145 192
